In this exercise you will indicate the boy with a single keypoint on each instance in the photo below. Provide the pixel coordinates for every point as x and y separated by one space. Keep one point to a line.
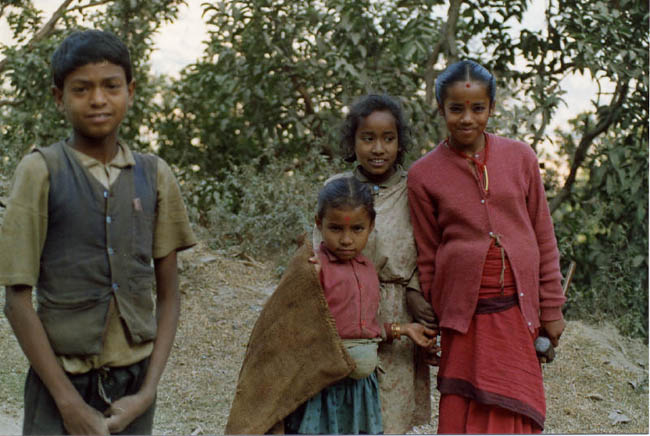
84 219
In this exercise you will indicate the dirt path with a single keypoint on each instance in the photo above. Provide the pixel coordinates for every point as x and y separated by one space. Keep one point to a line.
598 384
10 425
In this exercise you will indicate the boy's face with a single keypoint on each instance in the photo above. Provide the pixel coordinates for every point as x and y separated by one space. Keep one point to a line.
94 99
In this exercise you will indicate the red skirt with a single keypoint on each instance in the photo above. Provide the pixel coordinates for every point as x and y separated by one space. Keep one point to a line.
489 378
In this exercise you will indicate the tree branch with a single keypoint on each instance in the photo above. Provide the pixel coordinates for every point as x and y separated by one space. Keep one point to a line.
446 43
48 28
586 141
8 103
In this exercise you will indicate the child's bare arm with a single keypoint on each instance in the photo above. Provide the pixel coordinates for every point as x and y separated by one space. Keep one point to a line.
123 411
420 308
554 330
78 417
419 334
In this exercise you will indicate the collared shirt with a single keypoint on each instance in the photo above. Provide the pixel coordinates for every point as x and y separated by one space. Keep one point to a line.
391 246
24 231
351 290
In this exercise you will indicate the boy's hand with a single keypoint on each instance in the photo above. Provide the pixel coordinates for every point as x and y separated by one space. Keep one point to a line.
420 308
554 330
124 411
316 261
419 334
84 419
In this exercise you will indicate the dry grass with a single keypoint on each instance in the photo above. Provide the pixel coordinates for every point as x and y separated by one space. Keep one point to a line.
597 377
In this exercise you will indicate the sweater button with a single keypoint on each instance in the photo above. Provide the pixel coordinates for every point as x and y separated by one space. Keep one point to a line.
491 233
482 201
530 323
521 295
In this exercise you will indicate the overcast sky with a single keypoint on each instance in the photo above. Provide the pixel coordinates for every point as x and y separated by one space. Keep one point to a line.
181 43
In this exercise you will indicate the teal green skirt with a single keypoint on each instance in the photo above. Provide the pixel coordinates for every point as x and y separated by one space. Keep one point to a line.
346 407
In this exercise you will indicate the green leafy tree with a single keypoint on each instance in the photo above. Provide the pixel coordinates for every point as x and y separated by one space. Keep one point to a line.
28 116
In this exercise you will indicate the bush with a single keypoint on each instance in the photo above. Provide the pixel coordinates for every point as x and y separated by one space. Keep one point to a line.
262 208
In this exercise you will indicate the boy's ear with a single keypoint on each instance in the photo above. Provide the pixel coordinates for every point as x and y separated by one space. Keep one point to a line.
492 106
131 90
372 226
318 221
58 98
441 109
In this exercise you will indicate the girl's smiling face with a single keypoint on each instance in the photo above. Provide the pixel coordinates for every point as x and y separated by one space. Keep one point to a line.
466 110
345 230
376 145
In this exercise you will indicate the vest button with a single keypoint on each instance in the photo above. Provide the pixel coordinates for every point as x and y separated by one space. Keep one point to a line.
115 286
105 194
110 250
108 219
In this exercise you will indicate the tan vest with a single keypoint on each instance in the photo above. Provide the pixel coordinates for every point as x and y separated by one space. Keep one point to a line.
99 244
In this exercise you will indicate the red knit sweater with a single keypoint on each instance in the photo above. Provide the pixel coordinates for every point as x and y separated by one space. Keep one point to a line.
452 220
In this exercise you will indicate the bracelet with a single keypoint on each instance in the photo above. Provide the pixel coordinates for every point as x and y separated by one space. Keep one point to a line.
396 330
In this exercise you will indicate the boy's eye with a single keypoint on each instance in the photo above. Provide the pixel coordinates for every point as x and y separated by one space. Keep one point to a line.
389 138
358 228
78 89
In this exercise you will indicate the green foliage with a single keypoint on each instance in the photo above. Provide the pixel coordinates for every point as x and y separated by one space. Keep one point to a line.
604 228
261 209
28 116
276 76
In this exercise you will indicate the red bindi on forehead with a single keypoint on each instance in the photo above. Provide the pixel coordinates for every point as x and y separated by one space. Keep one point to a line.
346 218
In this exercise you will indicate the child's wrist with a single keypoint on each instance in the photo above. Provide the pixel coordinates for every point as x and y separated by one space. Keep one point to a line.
393 331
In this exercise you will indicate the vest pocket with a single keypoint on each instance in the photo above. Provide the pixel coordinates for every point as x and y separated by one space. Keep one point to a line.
142 235
74 329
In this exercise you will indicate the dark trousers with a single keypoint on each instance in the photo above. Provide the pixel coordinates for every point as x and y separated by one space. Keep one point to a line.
96 387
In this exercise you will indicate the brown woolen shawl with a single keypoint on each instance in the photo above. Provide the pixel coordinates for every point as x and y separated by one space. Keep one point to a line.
293 353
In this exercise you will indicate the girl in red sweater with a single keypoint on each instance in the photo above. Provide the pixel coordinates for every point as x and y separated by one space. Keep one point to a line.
488 262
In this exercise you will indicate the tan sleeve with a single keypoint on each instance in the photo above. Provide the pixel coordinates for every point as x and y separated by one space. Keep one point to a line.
414 282
172 230
24 227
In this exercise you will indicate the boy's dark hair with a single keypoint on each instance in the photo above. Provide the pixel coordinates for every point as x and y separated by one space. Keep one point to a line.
363 107
88 47
464 71
345 192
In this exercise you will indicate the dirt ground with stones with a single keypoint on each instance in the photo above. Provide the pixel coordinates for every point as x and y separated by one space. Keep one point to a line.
597 384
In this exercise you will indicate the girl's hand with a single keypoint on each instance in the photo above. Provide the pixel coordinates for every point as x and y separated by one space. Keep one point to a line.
420 308
316 261
431 356
419 334
554 330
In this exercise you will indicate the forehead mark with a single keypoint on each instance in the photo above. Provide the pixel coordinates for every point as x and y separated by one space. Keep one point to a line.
346 218
466 101
467 85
